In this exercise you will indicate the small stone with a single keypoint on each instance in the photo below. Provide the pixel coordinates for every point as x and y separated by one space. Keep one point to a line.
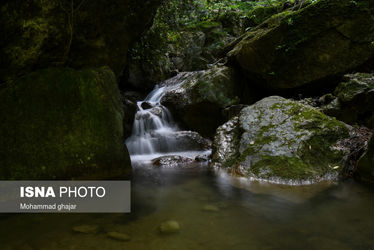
146 105
170 226
87 229
118 236
210 208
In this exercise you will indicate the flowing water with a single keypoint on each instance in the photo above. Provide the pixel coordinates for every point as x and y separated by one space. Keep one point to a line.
214 210
151 127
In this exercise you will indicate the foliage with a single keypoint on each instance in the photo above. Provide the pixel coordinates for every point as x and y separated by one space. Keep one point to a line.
223 20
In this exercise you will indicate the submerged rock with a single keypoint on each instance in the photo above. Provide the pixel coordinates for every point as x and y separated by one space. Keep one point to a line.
210 208
280 140
118 236
294 49
197 98
354 100
62 123
87 229
170 226
365 168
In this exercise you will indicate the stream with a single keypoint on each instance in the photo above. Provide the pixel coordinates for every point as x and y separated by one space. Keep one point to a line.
214 210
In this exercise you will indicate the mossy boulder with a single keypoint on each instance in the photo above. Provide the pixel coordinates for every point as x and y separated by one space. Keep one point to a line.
197 98
353 100
37 34
60 123
365 168
301 47
283 141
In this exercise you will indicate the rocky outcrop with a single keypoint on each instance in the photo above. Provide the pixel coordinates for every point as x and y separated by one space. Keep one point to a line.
353 100
38 34
197 98
295 49
280 140
61 123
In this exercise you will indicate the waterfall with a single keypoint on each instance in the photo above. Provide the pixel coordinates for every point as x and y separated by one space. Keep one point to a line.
152 123
155 134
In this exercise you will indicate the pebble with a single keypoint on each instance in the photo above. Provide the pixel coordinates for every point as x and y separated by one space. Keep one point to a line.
118 236
210 208
170 226
87 229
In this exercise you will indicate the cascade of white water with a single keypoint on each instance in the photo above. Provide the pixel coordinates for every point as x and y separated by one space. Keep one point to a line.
151 126
154 132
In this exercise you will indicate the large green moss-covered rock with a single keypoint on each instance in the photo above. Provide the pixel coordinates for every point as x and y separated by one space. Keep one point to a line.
295 49
353 100
62 123
284 141
197 98
365 168
78 33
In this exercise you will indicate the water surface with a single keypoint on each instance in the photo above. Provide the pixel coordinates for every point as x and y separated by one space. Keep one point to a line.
258 216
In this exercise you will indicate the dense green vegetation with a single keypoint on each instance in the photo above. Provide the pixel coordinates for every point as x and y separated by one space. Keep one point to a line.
174 29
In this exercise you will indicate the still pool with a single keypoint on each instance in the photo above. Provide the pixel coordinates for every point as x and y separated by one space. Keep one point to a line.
213 212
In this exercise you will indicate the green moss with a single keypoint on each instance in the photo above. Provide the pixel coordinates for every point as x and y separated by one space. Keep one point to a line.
261 13
323 39
292 168
314 120
205 26
62 123
310 143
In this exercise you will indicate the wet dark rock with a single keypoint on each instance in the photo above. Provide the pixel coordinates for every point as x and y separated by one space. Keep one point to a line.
62 123
146 105
357 142
193 140
173 161
133 96
130 108
280 140
353 100
181 141
295 49
86 229
365 168
233 111
197 98
202 158
158 111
